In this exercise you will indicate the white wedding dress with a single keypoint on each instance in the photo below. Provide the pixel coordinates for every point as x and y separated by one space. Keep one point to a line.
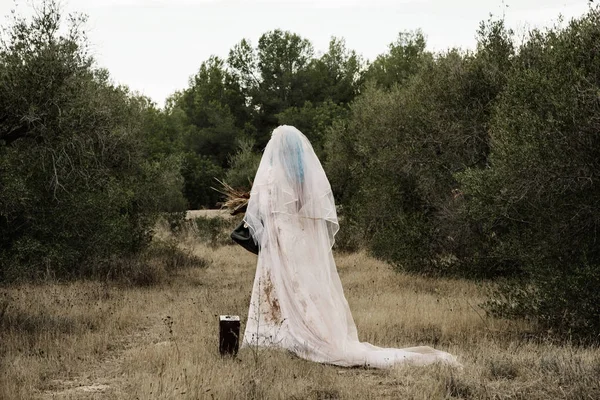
297 299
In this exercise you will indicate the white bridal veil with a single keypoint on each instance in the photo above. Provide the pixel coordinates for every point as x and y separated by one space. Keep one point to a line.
297 299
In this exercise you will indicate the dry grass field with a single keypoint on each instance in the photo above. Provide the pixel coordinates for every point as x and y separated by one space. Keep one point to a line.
96 340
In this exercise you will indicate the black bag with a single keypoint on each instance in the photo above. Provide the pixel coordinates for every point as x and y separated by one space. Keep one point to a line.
241 235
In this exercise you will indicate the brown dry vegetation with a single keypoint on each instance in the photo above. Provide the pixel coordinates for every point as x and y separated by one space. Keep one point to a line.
111 341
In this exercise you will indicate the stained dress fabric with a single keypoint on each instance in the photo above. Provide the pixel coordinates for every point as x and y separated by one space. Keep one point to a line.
297 300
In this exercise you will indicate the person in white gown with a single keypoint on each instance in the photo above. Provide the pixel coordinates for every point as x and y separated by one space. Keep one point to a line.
297 300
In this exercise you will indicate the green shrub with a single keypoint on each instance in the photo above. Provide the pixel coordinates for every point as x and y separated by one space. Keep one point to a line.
243 165
392 164
162 259
199 174
175 221
75 187
215 231
538 200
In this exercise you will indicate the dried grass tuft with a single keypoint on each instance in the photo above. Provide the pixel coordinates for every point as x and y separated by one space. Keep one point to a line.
236 200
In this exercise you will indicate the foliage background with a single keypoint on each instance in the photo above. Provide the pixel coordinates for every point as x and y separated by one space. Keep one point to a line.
481 164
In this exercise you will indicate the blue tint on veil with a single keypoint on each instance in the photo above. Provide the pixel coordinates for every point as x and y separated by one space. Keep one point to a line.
295 166
291 156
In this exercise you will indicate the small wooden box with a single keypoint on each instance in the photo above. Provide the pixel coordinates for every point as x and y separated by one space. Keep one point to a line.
229 334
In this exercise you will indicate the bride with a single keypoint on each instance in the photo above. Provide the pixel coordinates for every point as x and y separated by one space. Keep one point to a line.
297 300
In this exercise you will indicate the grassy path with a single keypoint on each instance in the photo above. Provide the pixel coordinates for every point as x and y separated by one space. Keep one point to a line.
88 340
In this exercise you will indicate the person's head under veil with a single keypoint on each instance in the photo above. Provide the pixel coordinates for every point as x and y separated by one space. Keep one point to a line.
290 153
289 143
290 181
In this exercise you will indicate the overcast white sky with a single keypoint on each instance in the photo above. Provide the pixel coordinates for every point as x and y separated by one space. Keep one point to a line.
153 46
